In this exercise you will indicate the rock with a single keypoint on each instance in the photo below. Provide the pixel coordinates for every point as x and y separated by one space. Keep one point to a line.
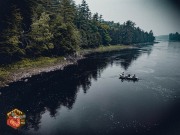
6 85
25 80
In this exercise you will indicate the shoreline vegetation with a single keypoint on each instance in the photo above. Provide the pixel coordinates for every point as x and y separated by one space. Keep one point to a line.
26 68
173 37
45 28
41 36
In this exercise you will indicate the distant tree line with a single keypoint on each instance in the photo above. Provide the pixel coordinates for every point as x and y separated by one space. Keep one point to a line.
174 36
33 28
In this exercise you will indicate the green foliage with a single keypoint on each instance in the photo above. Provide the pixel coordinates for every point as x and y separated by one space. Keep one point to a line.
67 10
66 37
127 33
40 32
11 46
59 27
69 38
174 37
27 64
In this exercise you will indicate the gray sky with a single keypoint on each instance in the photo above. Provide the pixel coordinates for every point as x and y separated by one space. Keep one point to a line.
162 16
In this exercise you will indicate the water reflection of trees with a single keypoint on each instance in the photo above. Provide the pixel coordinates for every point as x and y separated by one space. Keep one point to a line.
48 92
126 58
51 91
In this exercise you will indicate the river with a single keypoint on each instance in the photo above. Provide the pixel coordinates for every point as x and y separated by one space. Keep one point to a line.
89 98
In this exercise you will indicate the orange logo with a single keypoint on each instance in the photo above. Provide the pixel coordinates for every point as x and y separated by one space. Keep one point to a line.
16 119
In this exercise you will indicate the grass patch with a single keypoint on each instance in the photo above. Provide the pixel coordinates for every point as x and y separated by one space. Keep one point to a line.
25 64
3 73
102 49
38 62
110 48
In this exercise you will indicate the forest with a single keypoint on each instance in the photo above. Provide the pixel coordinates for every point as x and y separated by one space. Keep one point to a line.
174 36
34 28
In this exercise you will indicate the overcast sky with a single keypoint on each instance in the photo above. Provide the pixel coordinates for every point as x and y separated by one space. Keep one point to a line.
162 16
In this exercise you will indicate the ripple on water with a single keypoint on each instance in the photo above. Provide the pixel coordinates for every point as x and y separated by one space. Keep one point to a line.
159 91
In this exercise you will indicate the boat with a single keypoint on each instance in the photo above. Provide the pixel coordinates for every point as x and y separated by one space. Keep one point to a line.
123 77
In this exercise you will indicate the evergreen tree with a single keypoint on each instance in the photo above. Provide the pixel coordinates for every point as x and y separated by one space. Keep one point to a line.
174 37
41 33
31 28
11 46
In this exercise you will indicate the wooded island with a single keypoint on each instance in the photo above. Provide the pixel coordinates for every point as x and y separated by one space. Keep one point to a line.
174 36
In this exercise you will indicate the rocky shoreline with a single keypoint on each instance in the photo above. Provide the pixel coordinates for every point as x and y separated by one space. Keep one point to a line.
24 74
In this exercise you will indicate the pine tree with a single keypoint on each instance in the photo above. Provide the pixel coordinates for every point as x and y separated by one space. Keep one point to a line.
12 45
41 33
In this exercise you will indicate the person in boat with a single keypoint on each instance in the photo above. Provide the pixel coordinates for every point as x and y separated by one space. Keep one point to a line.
129 75
134 76
122 74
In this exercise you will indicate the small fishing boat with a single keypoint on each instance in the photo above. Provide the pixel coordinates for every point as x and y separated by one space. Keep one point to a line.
126 77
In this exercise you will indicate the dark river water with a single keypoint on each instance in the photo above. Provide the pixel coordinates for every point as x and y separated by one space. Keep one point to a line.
90 99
